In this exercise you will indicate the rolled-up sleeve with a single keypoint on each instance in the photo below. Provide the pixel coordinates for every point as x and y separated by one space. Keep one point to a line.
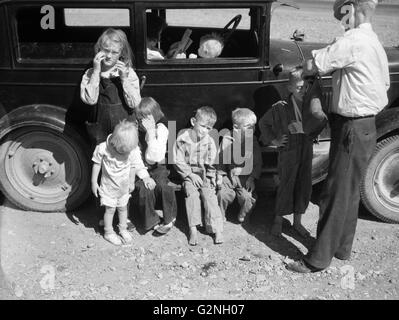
131 89
338 55
89 87
157 140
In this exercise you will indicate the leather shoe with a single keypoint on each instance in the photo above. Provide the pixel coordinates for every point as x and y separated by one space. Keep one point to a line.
301 266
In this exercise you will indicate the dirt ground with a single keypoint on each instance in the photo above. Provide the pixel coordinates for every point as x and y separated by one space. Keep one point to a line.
60 256
63 256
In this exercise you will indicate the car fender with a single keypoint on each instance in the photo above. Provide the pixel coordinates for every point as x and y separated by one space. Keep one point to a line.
38 114
387 121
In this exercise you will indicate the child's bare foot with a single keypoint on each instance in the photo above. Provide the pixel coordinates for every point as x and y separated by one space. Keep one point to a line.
193 236
301 230
113 238
277 227
219 238
126 236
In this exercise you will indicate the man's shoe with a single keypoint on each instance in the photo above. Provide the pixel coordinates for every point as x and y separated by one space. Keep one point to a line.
301 266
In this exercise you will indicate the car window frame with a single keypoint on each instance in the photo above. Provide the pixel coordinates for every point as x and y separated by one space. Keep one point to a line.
62 63
259 61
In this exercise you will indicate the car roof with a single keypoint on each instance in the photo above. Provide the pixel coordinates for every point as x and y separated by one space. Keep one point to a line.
153 1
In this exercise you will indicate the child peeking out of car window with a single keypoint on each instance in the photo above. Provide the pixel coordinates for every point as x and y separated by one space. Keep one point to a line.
211 46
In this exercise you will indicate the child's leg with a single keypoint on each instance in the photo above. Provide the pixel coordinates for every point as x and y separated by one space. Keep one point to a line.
213 216
193 210
225 196
303 185
122 215
287 169
109 233
247 201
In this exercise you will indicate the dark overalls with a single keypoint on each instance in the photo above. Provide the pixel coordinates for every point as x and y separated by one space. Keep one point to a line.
161 198
110 110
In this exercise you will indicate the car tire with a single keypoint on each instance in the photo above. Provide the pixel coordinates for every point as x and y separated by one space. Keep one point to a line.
44 169
380 184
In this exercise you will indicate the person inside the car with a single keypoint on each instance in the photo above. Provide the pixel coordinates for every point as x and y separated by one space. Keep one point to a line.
119 160
211 46
111 85
282 126
159 201
155 27
195 154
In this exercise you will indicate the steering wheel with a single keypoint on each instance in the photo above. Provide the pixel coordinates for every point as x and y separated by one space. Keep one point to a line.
227 33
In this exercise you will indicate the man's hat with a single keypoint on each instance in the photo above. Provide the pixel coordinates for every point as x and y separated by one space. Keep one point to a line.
339 3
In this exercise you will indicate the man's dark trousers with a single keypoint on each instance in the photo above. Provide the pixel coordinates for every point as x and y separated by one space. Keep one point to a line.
353 141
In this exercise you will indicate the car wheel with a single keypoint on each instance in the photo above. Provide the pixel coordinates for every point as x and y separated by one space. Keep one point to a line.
380 185
42 169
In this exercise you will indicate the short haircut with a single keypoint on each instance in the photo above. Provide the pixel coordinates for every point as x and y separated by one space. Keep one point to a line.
125 136
155 25
149 106
243 115
295 75
117 36
211 46
207 114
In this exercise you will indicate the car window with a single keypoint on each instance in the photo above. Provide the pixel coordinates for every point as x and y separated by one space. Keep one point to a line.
199 33
66 36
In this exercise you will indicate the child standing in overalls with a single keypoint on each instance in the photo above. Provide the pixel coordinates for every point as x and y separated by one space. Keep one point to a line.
111 85
282 126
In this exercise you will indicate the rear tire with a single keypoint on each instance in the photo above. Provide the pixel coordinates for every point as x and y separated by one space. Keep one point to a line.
43 169
380 185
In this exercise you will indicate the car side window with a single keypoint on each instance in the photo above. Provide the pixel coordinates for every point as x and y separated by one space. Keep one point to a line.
201 33
66 36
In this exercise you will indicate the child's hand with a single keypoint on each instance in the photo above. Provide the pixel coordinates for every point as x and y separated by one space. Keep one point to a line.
149 183
94 189
281 142
148 123
97 61
196 180
219 181
250 184
280 103
123 70
235 171
234 177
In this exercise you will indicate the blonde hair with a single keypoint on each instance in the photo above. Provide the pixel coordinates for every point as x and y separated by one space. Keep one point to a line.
147 106
124 137
116 36
243 115
207 114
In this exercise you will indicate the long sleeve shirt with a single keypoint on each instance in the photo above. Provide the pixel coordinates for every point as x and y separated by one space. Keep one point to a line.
89 87
197 157
231 153
157 140
360 74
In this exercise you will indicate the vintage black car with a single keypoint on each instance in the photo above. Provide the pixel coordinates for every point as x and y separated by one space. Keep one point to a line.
45 46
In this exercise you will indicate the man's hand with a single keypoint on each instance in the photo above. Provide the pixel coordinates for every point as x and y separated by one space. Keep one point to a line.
196 180
250 184
97 61
149 183
281 141
148 123
123 70
280 103
94 189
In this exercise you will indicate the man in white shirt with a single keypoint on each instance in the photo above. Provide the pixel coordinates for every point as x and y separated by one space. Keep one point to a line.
360 80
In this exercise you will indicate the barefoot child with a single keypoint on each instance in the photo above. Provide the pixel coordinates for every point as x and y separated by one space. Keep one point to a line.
195 154
282 127
119 160
111 86
236 175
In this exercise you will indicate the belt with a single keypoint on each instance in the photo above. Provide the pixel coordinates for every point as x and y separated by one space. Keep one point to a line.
352 118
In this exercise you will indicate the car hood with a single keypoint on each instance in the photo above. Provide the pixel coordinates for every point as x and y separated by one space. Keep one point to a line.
288 54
